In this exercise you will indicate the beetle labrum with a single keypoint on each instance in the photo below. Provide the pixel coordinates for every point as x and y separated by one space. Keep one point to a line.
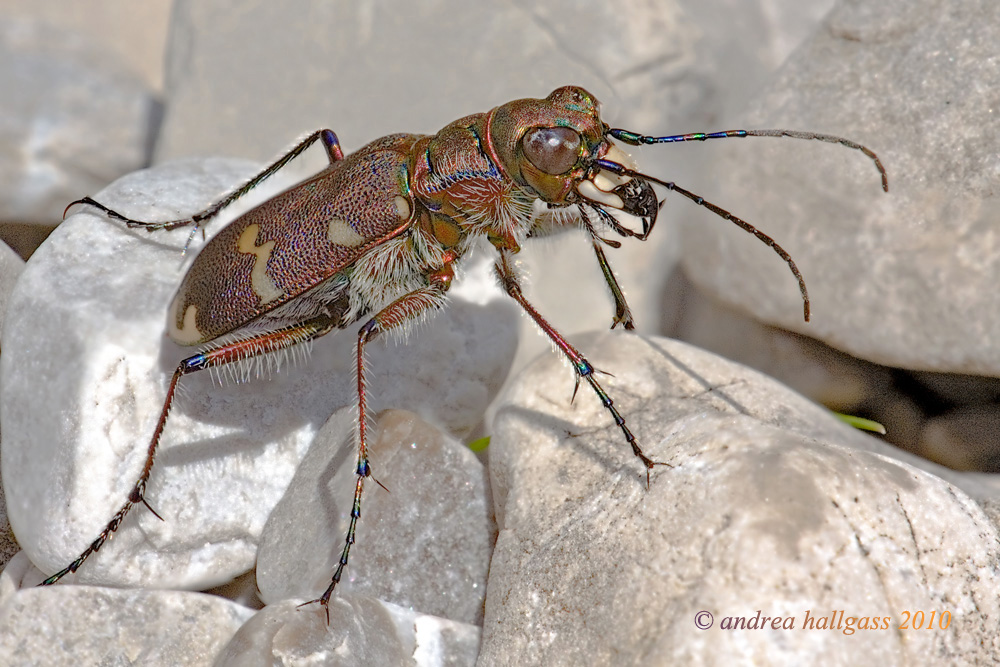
376 236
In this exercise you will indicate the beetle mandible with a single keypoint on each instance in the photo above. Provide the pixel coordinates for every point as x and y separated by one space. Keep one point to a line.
377 234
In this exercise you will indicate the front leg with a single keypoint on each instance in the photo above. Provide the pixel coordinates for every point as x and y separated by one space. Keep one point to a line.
511 284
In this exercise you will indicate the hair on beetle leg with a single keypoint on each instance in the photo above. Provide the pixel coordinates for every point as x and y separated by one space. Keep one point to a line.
257 362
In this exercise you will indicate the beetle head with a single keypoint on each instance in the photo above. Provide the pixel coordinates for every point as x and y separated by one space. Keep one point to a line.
552 146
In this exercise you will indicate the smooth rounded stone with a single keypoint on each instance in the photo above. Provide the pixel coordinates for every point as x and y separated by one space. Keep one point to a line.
11 266
18 572
425 544
964 438
86 366
89 625
771 504
663 67
903 279
361 631
77 120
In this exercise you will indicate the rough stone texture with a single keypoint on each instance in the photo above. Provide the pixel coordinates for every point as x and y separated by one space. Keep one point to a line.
85 371
770 505
424 545
362 631
905 279
72 120
88 625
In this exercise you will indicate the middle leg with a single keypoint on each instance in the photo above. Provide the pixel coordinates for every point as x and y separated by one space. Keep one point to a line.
397 314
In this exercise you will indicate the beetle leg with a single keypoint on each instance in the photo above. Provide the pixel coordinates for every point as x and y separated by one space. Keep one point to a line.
623 315
401 311
584 369
333 152
235 351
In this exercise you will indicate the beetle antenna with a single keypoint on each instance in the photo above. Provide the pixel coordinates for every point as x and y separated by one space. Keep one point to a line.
633 139
621 170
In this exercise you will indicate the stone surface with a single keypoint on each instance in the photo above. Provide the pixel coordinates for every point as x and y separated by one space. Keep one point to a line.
85 369
87 625
72 120
770 504
362 631
905 279
424 545
890 279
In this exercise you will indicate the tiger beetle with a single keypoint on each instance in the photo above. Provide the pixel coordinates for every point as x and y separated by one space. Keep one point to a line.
376 236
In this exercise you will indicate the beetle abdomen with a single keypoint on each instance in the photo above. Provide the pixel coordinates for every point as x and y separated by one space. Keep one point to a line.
293 242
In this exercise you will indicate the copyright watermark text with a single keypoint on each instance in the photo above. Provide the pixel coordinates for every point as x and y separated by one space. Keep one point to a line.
836 620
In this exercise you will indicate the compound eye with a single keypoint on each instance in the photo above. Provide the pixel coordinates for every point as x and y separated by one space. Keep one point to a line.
554 150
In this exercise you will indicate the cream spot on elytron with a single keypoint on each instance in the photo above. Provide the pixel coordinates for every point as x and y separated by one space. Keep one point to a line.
402 207
262 284
341 233
188 333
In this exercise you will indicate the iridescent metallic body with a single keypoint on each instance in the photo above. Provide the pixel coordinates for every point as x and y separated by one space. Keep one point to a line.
377 235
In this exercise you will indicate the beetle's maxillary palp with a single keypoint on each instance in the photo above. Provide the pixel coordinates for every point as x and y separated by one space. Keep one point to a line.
623 315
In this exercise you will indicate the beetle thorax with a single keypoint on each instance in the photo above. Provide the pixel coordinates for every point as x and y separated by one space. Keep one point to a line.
465 192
